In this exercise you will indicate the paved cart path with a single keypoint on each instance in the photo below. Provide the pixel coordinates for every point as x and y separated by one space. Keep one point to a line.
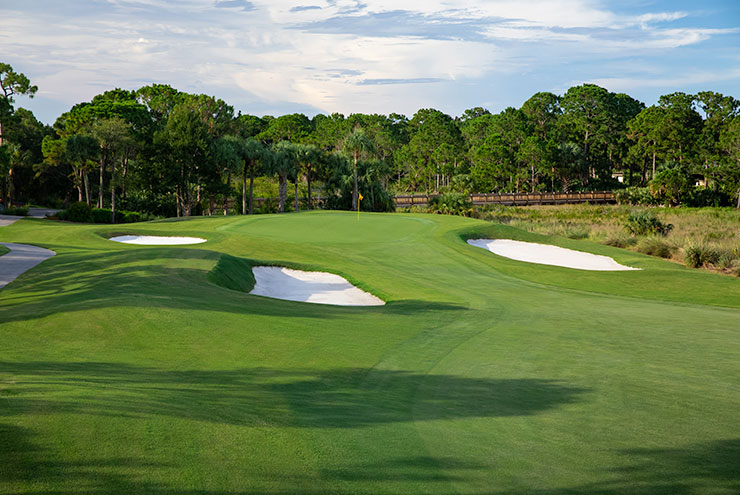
20 259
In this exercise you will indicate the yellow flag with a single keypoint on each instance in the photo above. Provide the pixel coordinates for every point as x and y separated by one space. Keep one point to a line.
360 196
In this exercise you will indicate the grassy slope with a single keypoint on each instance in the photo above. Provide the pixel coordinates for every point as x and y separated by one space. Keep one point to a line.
125 370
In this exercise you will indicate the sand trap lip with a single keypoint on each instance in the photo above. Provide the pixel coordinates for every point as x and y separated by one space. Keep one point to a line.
313 287
156 240
546 254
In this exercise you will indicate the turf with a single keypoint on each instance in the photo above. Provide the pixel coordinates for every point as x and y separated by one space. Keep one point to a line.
135 369
4 250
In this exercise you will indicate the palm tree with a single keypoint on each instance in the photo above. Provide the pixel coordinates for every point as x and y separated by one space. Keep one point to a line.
252 151
284 162
356 142
308 156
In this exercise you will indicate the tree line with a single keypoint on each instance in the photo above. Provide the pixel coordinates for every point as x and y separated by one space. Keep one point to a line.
163 151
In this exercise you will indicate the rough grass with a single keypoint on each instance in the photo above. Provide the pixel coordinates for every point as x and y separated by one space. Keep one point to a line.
717 229
124 370
4 250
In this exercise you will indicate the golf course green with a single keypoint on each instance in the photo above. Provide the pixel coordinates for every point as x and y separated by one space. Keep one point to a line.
150 369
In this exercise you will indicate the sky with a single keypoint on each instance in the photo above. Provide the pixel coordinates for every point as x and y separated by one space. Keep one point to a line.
275 57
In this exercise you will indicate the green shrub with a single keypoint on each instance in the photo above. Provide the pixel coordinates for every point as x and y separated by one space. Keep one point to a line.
101 215
128 216
643 222
655 246
79 212
671 185
20 211
696 255
269 205
451 203
634 196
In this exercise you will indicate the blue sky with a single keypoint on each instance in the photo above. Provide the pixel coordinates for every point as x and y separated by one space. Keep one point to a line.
372 56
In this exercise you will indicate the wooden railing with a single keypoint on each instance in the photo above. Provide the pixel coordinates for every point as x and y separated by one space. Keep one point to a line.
518 199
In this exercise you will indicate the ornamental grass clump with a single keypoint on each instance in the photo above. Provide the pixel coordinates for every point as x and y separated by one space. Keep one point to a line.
698 254
644 222
655 246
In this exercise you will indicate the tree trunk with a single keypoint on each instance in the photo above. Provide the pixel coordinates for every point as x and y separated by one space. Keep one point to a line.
11 187
113 192
653 176
296 194
87 187
244 189
177 200
123 179
251 187
78 184
282 193
355 203
308 183
100 189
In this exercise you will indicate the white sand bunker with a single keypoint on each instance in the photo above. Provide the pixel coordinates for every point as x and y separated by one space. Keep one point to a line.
313 287
546 254
156 240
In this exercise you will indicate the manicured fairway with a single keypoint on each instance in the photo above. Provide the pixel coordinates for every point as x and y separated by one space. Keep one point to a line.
126 369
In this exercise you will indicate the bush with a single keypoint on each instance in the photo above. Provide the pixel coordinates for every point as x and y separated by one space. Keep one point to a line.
701 196
20 211
451 204
655 246
696 255
671 185
269 205
101 215
79 212
634 196
644 222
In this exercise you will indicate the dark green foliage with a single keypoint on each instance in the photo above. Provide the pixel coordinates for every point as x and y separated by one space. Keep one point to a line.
645 222
79 212
702 196
451 204
697 255
634 196
671 185
102 215
20 211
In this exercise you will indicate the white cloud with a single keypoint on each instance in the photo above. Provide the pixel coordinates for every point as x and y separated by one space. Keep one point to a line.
277 53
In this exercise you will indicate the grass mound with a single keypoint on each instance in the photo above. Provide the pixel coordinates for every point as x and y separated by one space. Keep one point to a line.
232 273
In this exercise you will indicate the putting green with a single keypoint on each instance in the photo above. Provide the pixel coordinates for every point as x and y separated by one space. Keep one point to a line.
149 369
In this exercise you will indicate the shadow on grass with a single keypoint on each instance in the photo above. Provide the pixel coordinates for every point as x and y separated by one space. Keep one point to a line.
262 398
156 277
339 398
710 467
